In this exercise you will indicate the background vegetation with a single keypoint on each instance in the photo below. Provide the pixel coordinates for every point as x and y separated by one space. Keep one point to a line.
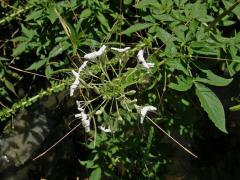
195 48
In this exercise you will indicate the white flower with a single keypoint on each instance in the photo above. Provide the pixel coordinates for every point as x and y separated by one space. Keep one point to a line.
82 66
121 49
102 127
144 110
143 61
79 106
75 84
84 117
95 54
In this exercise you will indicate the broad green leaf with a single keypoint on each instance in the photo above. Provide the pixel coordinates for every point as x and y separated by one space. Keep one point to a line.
27 32
52 15
148 4
170 50
20 49
163 17
164 36
96 174
177 64
103 21
213 79
212 105
88 164
48 70
37 65
183 84
205 48
9 85
198 10
55 51
85 13
34 15
127 2
137 27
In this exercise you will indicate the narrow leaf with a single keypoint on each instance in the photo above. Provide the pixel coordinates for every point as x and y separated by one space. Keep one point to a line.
235 108
212 105
136 27
9 85
37 65
55 51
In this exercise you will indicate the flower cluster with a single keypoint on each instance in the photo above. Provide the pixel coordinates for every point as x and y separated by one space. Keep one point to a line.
85 119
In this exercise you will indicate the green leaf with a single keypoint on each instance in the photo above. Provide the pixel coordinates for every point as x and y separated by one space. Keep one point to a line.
27 32
148 4
103 20
137 27
52 15
205 48
34 15
177 64
235 108
9 85
85 13
55 51
127 2
96 174
20 49
213 79
183 84
164 36
37 65
212 105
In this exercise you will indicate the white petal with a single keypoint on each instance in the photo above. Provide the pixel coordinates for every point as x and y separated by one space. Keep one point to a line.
91 56
102 49
102 127
75 84
78 115
86 124
143 61
140 56
79 106
83 66
121 49
144 111
95 54
147 65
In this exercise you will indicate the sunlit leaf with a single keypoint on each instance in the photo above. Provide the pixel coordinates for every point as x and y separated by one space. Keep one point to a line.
183 84
96 174
212 105
213 79
37 65
137 27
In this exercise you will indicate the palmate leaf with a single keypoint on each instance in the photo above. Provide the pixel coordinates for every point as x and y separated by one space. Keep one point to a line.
212 105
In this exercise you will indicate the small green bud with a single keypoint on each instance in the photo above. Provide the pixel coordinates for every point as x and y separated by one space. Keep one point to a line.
132 92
